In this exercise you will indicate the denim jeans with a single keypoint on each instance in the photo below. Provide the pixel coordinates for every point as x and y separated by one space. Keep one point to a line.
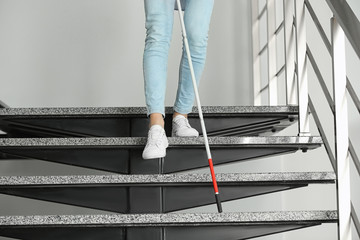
159 25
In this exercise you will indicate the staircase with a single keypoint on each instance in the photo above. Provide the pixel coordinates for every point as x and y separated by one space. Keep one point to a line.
146 200
142 196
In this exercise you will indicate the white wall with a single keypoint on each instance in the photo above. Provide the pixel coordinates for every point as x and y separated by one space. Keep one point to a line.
84 53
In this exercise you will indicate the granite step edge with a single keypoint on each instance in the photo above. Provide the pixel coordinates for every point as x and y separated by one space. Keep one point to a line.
51 111
136 141
172 219
313 177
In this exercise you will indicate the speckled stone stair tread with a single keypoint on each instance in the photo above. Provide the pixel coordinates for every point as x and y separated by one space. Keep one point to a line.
142 110
326 177
172 218
140 141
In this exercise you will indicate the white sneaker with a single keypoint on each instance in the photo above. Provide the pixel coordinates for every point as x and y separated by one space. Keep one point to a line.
182 128
157 143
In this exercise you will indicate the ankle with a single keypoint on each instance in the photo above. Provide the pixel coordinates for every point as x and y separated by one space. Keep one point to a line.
176 114
156 119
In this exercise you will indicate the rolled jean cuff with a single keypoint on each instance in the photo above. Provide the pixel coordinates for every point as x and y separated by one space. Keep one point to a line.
150 111
183 110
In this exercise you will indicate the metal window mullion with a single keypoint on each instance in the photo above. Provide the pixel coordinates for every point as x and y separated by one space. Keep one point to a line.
289 44
341 131
256 53
271 39
303 92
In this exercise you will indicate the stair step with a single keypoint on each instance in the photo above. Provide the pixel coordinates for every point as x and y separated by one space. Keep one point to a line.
191 226
133 122
163 193
116 154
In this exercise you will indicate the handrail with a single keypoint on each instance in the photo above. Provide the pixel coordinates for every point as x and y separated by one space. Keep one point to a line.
348 22
351 26
331 105
327 43
351 150
298 54
352 212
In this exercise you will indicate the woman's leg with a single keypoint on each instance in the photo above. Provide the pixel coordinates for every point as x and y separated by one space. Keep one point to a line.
197 20
159 23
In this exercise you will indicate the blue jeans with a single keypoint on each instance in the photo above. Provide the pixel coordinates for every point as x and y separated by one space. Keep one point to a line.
159 25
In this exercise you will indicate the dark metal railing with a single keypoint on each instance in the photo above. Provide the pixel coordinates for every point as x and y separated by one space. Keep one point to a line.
348 22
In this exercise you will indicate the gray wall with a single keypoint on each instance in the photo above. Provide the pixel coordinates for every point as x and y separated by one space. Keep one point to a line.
89 53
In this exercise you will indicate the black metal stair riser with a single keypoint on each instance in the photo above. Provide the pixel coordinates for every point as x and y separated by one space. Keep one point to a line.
225 121
138 127
130 161
144 199
150 233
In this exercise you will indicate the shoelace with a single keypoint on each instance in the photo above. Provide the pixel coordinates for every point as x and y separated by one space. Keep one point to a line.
155 138
185 120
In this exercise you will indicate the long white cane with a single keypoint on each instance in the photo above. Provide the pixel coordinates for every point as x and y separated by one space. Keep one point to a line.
216 190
